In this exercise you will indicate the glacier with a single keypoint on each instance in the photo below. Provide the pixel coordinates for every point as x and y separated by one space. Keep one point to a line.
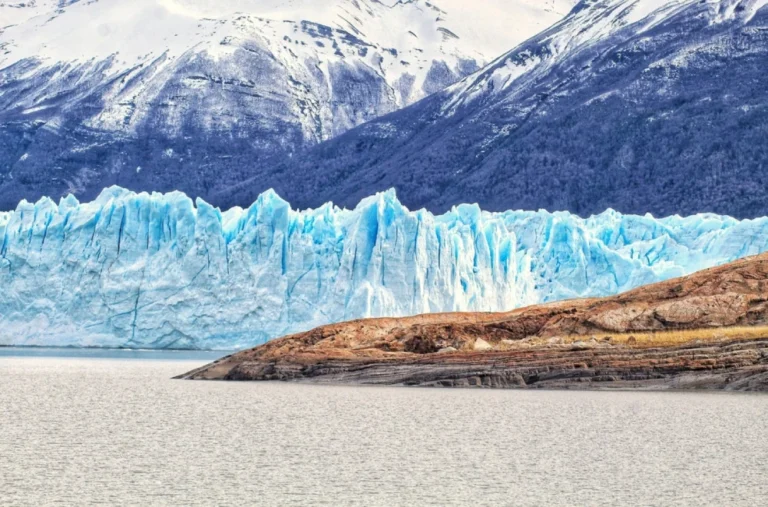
143 270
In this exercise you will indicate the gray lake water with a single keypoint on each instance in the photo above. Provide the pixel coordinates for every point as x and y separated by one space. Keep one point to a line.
119 431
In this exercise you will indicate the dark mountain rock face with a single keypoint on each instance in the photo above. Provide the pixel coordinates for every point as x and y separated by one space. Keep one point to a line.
208 95
195 130
641 106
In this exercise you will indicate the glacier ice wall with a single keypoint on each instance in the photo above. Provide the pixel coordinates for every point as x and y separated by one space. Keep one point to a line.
159 271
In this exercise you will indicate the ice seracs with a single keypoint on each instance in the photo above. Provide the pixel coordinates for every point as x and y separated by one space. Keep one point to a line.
162 271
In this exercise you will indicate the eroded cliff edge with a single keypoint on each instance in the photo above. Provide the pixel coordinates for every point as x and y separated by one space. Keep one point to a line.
708 330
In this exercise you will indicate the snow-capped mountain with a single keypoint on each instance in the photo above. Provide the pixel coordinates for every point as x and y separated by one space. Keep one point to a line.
194 94
639 105
160 271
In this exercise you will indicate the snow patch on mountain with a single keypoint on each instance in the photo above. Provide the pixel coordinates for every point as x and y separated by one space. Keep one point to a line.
589 24
162 271
394 39
91 90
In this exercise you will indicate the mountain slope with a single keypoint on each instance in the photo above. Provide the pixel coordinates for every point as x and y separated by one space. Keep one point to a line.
705 331
640 105
191 95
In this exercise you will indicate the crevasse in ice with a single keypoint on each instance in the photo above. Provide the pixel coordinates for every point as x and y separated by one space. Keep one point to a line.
159 271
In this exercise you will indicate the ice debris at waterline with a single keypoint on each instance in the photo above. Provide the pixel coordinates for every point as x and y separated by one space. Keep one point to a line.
159 271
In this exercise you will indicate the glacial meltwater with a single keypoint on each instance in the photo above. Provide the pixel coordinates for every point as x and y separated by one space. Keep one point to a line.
114 429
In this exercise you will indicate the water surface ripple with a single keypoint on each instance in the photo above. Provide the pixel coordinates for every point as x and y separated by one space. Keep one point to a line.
87 431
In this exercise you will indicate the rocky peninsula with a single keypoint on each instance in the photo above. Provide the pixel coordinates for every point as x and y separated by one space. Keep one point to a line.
708 330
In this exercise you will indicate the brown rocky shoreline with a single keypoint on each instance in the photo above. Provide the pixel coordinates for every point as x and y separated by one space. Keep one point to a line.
705 331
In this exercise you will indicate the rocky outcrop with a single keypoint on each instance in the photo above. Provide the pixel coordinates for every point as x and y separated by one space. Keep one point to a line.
705 331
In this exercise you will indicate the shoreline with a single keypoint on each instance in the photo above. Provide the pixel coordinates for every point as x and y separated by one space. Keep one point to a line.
45 353
590 389
126 349
740 365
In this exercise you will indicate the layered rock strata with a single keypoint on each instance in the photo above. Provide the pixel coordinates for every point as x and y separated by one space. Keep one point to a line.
705 331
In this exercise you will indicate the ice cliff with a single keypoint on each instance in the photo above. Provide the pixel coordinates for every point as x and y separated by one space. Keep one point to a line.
162 271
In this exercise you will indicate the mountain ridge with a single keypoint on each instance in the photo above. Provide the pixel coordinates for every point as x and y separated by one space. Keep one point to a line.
188 95
636 105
